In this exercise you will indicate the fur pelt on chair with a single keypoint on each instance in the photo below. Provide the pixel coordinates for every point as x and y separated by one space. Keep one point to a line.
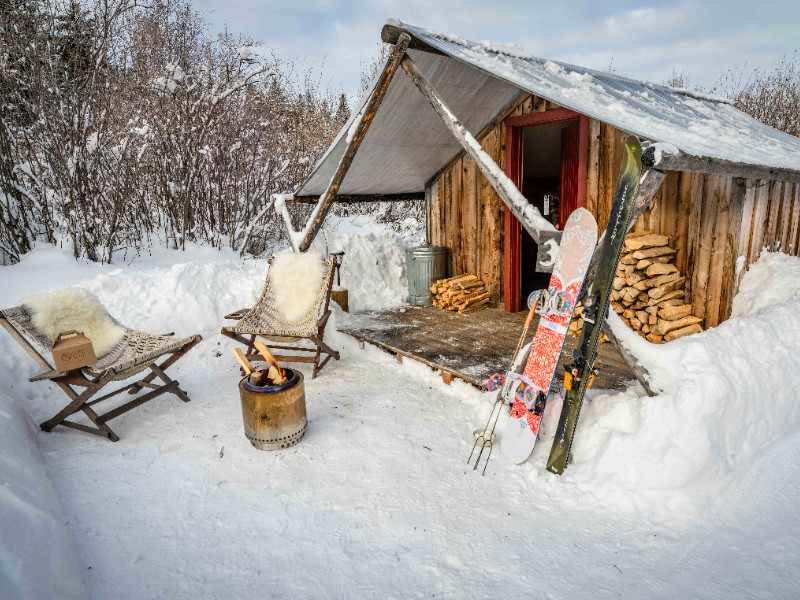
74 308
296 280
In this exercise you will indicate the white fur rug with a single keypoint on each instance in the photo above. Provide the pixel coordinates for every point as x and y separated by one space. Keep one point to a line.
296 281
74 308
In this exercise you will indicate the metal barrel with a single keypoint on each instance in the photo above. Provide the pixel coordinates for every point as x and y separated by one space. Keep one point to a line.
424 265
274 416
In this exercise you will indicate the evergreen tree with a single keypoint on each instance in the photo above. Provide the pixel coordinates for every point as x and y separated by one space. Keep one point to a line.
343 110
74 44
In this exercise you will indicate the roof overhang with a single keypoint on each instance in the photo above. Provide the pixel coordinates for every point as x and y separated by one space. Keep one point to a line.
407 143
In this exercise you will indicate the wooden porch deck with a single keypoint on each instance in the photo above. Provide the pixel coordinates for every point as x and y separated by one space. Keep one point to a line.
472 346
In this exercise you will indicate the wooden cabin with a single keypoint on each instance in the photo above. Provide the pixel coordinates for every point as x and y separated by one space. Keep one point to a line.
483 133
711 219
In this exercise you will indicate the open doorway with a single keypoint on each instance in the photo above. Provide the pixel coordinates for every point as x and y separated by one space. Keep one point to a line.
547 160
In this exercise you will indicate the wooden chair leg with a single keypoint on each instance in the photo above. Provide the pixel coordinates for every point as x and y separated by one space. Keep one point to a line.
316 364
80 403
101 425
174 357
167 380
250 348
324 347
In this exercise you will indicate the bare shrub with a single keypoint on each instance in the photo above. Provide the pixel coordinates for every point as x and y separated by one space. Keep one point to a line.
772 97
121 121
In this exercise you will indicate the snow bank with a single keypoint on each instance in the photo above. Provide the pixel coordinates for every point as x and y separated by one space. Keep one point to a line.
374 267
183 506
774 278
37 551
187 297
728 394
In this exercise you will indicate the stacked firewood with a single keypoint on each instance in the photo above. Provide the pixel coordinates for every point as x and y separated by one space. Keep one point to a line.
465 294
648 290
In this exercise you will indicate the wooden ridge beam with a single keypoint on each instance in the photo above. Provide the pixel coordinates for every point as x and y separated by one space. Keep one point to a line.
391 33
316 219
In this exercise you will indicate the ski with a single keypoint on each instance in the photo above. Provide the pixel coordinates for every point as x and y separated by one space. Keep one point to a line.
578 377
528 391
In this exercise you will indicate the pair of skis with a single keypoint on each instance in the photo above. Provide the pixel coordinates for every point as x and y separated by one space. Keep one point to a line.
528 391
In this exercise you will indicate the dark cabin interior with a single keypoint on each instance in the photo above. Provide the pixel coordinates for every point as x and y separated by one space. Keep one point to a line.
546 169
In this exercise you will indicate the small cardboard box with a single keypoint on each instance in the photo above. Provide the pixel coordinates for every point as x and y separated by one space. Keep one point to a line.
72 350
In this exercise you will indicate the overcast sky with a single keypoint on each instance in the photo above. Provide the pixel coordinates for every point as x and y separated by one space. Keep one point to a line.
643 40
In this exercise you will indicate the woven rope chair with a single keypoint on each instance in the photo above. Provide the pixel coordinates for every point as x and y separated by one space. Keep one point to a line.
264 320
137 351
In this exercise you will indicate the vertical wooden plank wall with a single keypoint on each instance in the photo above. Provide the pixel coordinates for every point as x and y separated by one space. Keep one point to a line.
717 222
605 155
464 212
711 220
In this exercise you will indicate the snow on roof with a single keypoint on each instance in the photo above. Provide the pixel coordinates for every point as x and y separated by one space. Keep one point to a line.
696 124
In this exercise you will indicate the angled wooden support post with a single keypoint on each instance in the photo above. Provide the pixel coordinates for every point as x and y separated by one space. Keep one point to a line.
363 121
537 226
629 359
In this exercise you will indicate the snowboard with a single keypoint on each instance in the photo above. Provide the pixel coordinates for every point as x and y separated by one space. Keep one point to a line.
579 375
556 306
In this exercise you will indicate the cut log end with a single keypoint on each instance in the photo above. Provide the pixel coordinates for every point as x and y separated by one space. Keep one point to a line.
649 289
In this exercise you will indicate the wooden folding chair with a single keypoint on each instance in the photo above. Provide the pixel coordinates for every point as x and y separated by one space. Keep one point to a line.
264 320
136 352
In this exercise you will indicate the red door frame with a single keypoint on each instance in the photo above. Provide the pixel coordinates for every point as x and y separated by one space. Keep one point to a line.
512 230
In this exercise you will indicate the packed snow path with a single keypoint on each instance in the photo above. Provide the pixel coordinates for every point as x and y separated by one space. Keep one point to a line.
377 500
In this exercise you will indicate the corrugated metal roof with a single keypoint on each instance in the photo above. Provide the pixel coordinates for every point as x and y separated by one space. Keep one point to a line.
488 78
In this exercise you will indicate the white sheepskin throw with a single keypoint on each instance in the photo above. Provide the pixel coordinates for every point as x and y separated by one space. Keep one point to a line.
296 283
74 308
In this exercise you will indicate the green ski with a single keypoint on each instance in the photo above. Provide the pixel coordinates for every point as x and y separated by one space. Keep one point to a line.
578 376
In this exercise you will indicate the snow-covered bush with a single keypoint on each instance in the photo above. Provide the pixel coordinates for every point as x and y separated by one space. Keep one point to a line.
120 120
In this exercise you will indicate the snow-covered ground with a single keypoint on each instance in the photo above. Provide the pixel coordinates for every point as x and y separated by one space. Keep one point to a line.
692 493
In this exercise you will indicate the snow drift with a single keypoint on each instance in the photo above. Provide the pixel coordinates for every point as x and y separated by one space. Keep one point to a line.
373 269
37 551
728 394
357 506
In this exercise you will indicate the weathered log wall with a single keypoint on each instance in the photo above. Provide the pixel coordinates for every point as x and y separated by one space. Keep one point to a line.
466 215
714 221
711 220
